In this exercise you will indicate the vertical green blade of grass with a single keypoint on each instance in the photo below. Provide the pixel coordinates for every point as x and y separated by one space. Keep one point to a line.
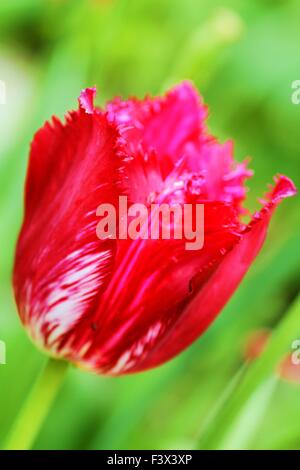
260 370
243 433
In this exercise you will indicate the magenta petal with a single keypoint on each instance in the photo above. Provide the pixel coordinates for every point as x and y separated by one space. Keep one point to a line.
164 125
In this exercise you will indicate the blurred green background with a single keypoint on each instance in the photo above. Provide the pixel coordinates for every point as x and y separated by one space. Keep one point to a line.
243 56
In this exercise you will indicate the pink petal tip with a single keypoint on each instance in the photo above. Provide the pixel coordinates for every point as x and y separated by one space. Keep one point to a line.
86 99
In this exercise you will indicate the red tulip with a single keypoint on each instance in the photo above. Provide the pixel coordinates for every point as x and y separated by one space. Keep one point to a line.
117 306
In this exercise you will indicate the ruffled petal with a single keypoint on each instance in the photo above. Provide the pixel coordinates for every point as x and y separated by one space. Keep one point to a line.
86 100
61 267
224 178
161 124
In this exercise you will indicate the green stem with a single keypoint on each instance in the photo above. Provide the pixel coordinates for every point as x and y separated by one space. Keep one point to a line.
278 345
35 409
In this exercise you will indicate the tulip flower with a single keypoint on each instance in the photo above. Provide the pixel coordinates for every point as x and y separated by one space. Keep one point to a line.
117 305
